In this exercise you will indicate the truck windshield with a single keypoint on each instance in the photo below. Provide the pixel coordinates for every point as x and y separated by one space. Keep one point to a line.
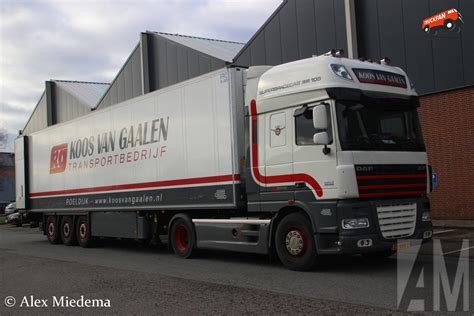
378 127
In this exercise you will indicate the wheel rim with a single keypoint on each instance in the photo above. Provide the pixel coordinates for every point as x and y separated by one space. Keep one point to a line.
82 231
66 230
449 25
51 229
295 242
181 238
426 29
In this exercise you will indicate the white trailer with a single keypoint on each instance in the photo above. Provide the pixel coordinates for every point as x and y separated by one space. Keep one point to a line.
318 156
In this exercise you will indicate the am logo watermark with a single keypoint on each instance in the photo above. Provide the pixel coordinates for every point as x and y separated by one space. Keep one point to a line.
433 281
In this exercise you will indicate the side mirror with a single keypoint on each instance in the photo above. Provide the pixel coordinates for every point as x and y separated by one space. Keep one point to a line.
321 138
320 118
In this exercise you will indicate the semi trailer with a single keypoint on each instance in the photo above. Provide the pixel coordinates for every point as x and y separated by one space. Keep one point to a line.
319 156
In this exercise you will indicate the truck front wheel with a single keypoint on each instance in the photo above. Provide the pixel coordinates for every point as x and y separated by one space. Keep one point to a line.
183 237
52 230
83 234
294 242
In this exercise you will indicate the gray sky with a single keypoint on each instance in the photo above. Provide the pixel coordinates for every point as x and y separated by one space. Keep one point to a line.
89 40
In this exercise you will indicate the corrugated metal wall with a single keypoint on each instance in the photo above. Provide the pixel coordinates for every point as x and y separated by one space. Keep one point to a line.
38 120
434 62
127 84
298 29
170 62
68 107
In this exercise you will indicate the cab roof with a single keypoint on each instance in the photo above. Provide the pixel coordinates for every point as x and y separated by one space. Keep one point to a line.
306 81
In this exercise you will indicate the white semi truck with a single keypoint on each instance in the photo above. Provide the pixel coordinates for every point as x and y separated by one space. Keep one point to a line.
318 156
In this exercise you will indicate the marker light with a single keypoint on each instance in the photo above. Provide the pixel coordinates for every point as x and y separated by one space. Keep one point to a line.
341 71
330 53
385 61
355 223
339 53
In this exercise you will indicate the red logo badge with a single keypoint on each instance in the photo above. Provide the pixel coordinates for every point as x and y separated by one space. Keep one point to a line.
278 130
58 159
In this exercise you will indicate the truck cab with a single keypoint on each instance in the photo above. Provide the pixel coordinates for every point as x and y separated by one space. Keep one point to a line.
339 140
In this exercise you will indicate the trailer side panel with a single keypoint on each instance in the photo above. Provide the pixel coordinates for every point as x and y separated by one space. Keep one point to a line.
173 149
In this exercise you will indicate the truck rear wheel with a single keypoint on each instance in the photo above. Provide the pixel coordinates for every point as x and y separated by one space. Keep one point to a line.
52 230
83 234
183 237
68 234
294 242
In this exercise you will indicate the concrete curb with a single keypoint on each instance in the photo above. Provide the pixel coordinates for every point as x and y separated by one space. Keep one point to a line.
469 224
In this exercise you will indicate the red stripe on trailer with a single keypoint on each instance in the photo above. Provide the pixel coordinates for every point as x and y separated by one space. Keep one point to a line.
154 184
299 177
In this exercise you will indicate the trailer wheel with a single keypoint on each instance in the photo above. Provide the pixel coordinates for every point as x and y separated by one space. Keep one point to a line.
83 235
183 240
68 234
20 221
294 242
52 231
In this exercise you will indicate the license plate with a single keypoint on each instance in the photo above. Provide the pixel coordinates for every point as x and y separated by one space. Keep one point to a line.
402 245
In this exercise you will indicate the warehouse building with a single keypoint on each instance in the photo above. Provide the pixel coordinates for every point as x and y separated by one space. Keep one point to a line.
439 63
162 59
62 101
7 179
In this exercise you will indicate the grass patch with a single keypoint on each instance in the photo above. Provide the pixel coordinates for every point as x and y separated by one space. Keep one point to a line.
2 220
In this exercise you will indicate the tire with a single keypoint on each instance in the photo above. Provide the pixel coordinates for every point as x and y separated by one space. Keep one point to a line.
83 236
183 237
450 25
67 231
295 244
379 255
427 29
52 230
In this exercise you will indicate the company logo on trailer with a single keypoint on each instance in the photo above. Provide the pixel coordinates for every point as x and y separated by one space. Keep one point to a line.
58 159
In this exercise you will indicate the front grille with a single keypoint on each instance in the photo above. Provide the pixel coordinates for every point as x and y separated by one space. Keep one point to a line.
391 180
397 221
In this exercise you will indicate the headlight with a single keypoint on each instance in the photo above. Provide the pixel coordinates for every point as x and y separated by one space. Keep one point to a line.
341 71
354 223
426 216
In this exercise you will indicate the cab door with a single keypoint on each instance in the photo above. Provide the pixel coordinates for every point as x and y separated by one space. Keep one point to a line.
278 155
310 159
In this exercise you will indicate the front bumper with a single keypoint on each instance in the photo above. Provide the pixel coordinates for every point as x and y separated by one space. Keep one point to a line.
359 241
355 244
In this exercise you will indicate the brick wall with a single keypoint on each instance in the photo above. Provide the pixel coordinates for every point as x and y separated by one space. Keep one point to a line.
447 120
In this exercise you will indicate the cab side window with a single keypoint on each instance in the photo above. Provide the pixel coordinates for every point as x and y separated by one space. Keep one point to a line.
304 129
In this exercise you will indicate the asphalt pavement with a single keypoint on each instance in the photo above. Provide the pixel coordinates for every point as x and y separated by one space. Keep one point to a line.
138 279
